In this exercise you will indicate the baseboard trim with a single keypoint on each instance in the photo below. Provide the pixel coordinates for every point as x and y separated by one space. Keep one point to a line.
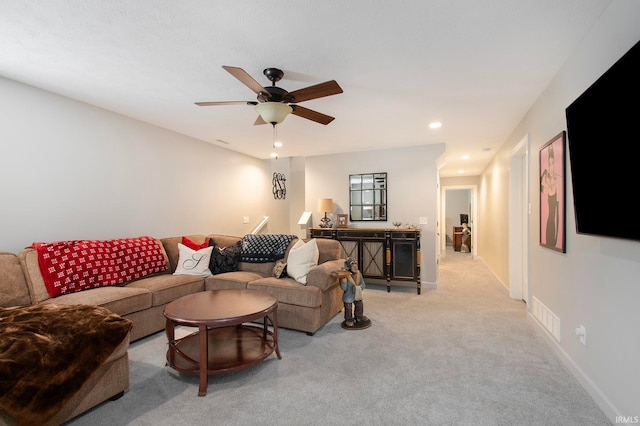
429 284
592 389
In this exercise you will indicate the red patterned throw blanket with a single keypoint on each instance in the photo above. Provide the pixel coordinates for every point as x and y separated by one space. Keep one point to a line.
69 266
47 352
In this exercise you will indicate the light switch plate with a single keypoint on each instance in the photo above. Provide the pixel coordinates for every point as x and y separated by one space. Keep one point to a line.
423 220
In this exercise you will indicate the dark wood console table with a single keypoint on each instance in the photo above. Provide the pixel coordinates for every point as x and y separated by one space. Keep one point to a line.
391 254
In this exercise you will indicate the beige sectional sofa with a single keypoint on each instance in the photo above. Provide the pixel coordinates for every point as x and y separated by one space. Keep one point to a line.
300 307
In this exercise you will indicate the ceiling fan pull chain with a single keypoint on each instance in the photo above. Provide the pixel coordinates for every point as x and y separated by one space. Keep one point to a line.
275 138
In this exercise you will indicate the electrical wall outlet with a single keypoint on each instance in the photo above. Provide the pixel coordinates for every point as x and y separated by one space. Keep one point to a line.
423 220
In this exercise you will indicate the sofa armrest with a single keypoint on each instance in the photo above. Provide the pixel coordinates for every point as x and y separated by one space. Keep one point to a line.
320 275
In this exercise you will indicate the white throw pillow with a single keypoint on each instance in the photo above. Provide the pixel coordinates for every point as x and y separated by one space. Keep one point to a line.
193 262
302 257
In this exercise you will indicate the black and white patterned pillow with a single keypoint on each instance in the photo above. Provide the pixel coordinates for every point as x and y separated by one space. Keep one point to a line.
263 248
224 259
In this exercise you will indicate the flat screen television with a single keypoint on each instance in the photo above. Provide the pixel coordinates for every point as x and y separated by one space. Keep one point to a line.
603 136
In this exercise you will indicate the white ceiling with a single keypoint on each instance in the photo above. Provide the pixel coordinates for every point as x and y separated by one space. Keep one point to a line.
475 65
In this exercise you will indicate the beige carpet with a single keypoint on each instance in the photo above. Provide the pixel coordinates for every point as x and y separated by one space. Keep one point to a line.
464 354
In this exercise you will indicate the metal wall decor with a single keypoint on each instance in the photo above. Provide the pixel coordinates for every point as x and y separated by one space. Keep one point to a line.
279 188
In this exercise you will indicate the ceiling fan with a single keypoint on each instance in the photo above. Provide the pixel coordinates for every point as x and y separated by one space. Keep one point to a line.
274 103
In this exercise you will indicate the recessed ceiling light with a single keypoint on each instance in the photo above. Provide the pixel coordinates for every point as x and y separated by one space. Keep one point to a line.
464 157
435 125
460 172
277 144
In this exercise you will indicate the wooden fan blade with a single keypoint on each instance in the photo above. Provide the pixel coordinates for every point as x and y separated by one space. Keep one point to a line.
310 114
247 80
321 90
259 121
226 103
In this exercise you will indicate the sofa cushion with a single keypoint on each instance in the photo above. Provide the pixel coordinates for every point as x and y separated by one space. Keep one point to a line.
119 300
29 263
166 288
301 258
170 245
193 245
70 266
224 259
193 262
289 291
38 292
13 285
262 269
225 280
280 270
321 275
329 250
224 240
260 248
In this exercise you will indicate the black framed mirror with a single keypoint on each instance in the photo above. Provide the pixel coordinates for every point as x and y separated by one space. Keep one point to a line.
368 197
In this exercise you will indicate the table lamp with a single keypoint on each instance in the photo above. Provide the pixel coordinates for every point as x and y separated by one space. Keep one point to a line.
325 205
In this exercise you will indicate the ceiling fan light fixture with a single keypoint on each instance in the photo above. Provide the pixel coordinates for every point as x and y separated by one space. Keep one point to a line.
273 112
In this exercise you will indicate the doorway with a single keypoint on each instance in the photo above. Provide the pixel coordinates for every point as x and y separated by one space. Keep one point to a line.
458 203
519 211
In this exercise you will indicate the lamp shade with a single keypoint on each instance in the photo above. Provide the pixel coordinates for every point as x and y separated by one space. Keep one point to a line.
273 112
325 205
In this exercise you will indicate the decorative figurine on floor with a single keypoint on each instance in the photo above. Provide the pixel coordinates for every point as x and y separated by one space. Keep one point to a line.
466 239
352 284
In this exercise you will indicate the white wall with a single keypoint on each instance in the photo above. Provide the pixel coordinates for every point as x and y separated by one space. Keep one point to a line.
69 170
297 198
595 283
412 190
278 210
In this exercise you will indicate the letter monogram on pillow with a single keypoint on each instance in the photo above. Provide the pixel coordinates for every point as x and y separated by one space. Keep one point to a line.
193 262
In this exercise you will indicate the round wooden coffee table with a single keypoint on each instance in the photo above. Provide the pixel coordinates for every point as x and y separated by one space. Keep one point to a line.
224 341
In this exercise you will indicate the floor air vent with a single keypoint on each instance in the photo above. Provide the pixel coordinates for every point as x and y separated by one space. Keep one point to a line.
547 318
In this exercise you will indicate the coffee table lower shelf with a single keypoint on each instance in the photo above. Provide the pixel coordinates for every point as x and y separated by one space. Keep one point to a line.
229 349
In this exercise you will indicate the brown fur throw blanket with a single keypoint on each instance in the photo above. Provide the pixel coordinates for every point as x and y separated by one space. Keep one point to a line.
48 351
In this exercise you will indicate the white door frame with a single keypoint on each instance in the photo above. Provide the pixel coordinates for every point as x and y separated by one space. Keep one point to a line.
473 219
519 211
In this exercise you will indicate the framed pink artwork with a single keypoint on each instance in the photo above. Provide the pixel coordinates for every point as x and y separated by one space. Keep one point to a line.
552 193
